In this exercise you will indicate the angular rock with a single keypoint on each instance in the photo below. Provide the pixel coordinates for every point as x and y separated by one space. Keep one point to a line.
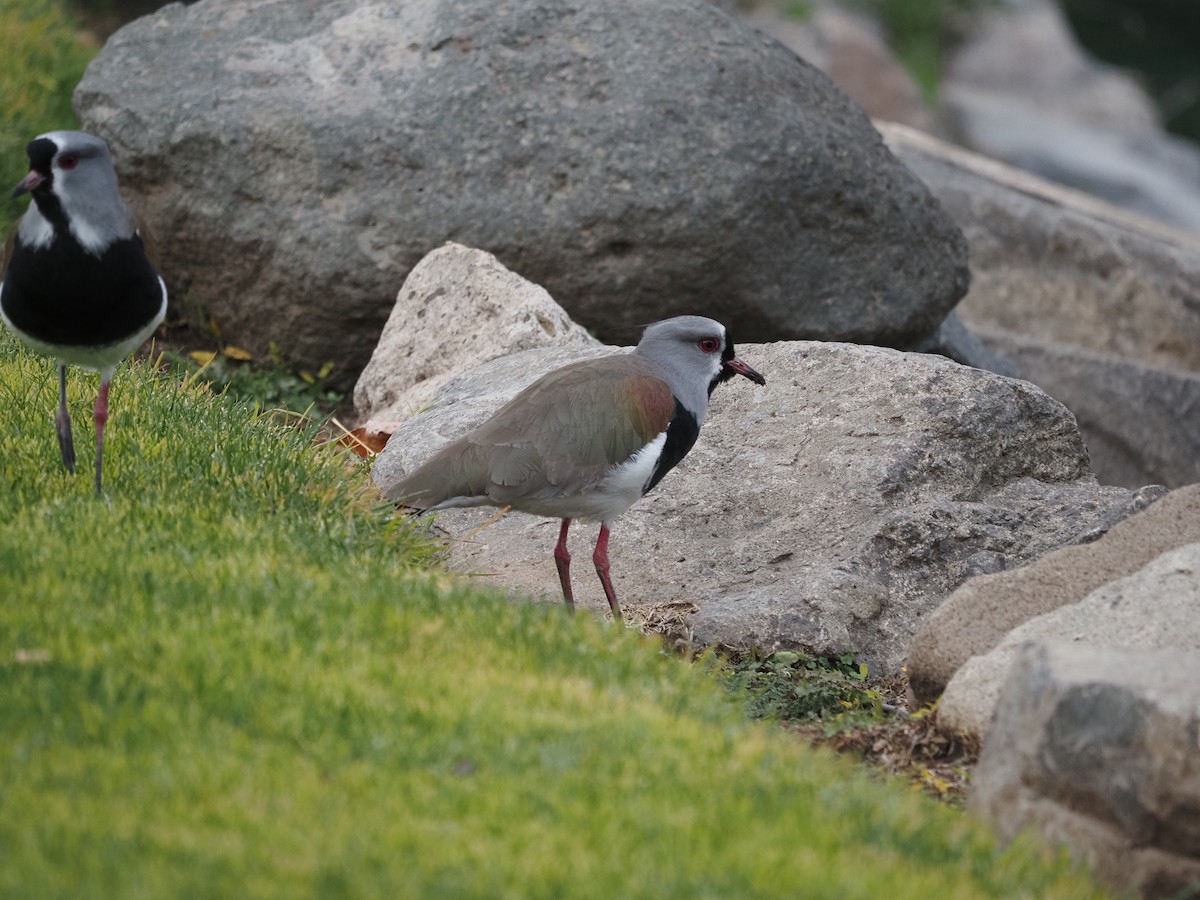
1096 748
638 159
1155 608
1055 265
458 307
978 616
830 511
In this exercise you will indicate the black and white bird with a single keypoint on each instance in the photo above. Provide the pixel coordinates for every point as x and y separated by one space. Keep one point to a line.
588 440
78 285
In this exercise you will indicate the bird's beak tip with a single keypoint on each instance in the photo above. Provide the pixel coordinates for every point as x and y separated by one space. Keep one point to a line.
741 368
27 184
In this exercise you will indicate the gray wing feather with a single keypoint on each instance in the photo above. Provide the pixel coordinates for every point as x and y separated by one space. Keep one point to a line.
559 436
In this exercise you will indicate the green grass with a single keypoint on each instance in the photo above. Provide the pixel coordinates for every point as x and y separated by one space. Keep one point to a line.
44 58
233 675
270 384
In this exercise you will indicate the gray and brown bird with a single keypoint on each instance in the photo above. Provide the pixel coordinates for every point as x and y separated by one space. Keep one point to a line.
588 440
78 285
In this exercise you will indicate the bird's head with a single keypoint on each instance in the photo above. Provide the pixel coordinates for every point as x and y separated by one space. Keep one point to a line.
697 354
74 185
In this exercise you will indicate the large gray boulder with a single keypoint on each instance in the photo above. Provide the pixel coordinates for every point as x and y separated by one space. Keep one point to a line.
637 159
1096 748
1056 265
1098 307
830 511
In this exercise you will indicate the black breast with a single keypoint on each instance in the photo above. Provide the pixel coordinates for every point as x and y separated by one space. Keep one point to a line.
63 295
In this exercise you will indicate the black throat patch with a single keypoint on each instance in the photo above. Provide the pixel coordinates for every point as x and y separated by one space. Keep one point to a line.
726 373
41 157
682 432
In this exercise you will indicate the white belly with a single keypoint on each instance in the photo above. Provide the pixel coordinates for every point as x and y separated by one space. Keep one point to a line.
619 489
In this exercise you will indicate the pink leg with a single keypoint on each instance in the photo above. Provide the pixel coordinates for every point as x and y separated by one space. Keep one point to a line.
562 559
62 423
100 415
600 558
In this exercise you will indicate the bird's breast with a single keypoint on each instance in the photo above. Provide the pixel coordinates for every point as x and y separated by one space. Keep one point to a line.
64 296
622 485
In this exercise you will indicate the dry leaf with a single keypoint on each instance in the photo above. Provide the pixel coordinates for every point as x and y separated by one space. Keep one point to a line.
364 442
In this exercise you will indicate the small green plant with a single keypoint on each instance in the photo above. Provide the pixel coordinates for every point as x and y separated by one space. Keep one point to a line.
270 384
196 347
796 687
801 10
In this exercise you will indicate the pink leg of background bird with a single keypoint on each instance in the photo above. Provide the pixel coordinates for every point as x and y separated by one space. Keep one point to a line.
100 416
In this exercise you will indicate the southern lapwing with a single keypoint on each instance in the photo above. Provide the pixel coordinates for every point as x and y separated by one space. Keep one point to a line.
78 285
588 440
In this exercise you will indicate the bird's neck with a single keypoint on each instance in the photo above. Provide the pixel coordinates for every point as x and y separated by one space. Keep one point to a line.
47 220
688 390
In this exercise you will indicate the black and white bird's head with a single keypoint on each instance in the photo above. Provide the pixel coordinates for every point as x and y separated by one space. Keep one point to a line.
697 354
74 188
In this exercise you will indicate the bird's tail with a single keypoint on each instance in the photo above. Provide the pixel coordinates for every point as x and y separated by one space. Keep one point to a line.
455 476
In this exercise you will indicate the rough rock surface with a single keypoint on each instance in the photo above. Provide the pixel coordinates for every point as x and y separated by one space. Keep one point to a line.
977 616
1100 308
1155 608
638 159
423 344
1141 425
829 511
1096 748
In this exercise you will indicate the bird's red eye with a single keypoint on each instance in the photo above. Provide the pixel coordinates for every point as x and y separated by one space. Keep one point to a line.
709 345
69 161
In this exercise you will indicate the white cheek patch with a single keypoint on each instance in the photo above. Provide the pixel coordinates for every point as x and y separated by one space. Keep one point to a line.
36 230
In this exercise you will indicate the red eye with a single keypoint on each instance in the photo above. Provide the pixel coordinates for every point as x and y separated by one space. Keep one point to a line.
710 345
69 161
